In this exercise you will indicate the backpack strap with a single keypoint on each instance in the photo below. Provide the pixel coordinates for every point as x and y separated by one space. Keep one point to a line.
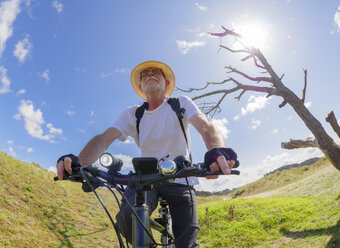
139 114
176 107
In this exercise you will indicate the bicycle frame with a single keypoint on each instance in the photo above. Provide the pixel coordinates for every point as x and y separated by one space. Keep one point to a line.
141 232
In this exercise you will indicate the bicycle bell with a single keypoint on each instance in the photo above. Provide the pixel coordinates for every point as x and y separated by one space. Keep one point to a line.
167 167
106 159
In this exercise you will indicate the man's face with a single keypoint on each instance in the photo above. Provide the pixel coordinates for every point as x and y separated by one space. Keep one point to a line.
152 79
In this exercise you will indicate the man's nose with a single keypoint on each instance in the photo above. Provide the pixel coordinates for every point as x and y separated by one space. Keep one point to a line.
150 73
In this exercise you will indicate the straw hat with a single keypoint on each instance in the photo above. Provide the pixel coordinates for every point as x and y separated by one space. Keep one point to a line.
169 75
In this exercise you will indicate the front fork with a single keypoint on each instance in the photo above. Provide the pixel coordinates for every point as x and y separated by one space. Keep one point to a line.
140 237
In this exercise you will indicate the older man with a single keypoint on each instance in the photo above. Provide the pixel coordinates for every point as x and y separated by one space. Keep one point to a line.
159 133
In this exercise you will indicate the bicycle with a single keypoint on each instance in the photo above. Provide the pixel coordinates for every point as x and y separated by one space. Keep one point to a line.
148 172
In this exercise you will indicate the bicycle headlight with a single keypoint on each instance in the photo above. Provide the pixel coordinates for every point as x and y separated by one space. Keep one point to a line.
106 159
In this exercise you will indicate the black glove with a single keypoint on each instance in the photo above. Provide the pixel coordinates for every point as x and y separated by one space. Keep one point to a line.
212 155
76 163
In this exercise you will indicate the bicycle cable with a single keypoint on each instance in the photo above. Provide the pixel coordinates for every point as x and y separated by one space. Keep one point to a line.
107 212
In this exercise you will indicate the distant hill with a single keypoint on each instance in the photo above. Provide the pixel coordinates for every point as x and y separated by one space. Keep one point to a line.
296 165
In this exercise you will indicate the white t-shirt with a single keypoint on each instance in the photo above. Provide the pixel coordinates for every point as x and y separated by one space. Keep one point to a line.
160 132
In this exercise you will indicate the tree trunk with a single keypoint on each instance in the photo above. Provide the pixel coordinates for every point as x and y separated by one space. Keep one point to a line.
326 143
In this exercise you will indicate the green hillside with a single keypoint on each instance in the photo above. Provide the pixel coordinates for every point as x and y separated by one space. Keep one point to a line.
35 211
299 207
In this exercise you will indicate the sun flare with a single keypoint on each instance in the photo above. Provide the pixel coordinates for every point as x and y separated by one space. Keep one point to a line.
253 35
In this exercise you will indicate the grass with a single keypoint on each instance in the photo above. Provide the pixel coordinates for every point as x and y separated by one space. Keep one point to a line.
262 221
35 211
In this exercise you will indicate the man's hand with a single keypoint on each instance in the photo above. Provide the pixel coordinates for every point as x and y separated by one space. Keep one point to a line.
222 159
66 163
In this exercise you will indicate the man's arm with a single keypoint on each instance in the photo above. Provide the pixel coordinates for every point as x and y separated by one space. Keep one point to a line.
211 136
97 145
212 139
91 152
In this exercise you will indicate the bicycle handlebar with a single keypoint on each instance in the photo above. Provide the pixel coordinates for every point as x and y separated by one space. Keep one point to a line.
194 170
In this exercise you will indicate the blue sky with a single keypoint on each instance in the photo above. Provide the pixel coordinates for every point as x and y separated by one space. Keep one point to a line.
65 72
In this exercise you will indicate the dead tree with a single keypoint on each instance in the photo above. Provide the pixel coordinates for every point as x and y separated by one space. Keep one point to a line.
275 88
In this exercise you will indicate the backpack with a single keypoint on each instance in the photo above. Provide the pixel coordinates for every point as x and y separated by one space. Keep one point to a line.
176 107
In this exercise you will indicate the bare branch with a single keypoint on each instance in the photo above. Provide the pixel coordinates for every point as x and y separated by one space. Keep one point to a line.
216 92
258 65
258 79
294 144
244 87
246 58
226 32
283 104
235 51
333 122
239 97
206 85
305 86
216 108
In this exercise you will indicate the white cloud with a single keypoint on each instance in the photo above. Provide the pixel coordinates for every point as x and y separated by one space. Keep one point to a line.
200 35
8 12
53 130
92 113
34 121
221 126
21 92
308 104
10 142
52 169
30 149
80 130
17 116
105 75
129 140
337 19
252 173
116 70
185 46
11 152
22 49
254 103
122 70
275 131
70 112
45 75
5 82
255 123
58 6
201 7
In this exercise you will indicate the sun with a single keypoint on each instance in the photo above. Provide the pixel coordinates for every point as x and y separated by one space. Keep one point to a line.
253 35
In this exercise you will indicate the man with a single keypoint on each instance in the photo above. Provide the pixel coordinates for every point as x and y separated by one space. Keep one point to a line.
159 134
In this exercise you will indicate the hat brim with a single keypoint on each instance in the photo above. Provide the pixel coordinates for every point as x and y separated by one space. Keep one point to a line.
169 75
